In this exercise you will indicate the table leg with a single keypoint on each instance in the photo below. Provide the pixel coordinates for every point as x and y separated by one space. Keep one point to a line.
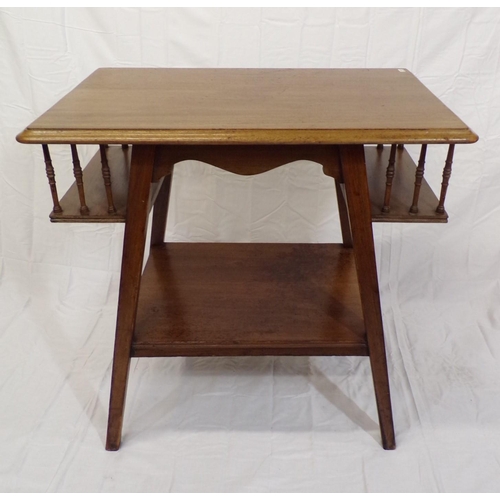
141 171
160 212
345 225
358 200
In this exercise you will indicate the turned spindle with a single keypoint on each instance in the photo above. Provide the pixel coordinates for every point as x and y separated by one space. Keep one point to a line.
389 178
124 146
446 179
401 146
106 175
380 147
419 175
77 171
52 178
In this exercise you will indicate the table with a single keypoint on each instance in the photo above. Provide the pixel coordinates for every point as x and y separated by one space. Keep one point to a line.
204 299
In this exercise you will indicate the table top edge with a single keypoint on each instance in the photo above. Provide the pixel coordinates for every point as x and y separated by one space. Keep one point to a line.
248 136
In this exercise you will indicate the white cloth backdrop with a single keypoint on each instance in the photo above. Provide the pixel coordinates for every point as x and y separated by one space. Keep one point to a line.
250 424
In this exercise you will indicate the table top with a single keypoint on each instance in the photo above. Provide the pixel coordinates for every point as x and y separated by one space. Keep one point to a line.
249 106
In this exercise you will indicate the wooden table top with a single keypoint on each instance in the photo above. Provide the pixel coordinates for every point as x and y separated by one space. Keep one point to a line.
249 106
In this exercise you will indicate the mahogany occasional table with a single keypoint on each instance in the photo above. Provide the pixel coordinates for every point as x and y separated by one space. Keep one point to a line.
225 299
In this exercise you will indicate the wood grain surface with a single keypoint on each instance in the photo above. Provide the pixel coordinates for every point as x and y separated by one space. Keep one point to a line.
233 299
256 106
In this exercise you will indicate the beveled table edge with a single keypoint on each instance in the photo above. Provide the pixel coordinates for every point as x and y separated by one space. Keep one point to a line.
248 136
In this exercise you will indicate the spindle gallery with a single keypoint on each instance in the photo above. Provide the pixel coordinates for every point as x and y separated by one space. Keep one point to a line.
77 171
233 159
249 299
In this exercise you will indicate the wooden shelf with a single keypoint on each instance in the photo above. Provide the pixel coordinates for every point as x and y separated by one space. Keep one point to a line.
402 189
95 193
231 299
376 160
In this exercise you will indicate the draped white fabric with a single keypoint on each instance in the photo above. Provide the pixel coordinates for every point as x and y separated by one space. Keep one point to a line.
250 424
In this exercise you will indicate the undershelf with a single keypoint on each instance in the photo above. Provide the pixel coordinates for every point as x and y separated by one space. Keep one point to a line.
231 299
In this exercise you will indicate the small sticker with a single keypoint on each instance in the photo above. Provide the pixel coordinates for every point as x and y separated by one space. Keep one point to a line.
401 70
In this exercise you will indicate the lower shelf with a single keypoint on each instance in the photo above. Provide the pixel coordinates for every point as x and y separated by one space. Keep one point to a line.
239 299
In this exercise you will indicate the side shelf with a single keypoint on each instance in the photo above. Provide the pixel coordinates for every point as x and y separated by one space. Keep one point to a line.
95 191
376 162
402 189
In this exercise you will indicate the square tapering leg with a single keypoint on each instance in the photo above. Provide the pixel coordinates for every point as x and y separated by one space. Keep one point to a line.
141 171
358 201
